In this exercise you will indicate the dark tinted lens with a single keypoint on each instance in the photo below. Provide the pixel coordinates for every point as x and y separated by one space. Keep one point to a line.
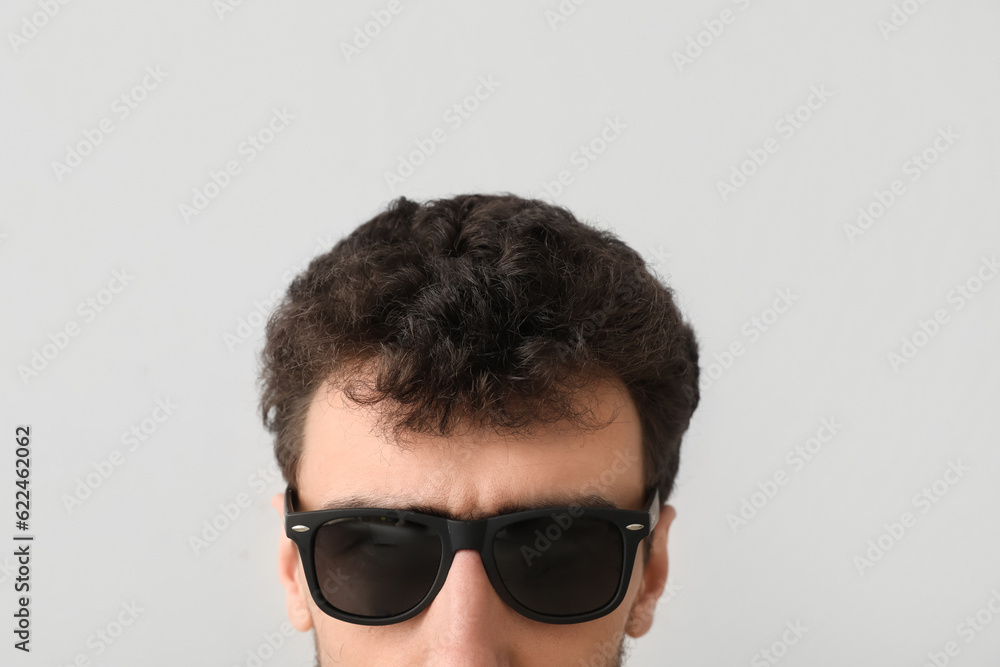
376 566
560 565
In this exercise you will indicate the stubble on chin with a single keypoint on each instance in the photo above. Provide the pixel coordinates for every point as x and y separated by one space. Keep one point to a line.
615 659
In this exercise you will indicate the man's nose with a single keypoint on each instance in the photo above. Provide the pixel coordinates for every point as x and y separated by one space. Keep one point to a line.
467 620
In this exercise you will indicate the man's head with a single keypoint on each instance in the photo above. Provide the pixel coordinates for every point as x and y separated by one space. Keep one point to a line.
468 358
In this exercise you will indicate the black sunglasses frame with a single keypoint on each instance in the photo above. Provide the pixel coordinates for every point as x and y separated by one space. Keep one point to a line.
303 527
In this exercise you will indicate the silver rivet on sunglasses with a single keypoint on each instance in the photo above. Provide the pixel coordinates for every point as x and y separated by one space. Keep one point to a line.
300 529
634 526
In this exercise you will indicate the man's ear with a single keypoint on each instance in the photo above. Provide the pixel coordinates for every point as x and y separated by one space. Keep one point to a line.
654 577
289 572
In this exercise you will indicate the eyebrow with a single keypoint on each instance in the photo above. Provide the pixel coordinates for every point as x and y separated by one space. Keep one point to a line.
364 501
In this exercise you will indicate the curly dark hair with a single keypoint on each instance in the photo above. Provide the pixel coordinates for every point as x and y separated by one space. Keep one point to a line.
486 310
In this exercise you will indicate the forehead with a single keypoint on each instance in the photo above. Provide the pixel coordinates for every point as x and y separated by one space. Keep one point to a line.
345 462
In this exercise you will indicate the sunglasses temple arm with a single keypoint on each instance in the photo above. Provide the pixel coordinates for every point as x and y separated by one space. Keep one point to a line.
654 510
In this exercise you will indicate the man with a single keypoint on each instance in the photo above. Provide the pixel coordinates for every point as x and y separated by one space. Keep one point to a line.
478 406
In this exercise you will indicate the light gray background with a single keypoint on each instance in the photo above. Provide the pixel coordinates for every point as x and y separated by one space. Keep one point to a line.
165 335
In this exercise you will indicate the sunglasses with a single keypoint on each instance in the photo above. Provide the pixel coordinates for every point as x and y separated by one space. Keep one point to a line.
382 566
